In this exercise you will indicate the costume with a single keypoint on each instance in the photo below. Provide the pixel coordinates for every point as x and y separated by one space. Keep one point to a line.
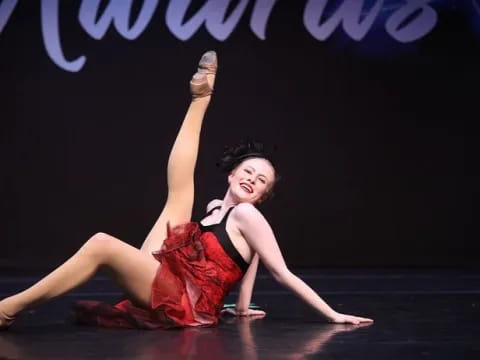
199 266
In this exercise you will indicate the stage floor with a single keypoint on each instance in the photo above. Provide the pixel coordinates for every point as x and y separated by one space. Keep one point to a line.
419 314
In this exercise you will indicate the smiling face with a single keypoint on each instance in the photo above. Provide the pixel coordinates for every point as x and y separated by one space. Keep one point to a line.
251 180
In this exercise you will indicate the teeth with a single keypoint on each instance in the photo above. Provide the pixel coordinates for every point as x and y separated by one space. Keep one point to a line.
246 188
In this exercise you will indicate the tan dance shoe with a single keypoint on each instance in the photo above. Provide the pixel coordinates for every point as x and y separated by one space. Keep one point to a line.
201 85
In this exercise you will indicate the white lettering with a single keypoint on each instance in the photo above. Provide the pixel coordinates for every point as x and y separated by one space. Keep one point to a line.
261 13
51 37
117 12
417 27
348 13
412 20
6 10
212 13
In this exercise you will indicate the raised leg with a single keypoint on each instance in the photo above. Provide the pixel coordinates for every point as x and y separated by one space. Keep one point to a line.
133 270
183 156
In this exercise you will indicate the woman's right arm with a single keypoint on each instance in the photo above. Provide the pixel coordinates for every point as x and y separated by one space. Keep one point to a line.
260 237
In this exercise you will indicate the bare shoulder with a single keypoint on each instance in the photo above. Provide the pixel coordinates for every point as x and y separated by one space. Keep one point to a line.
246 212
214 203
252 225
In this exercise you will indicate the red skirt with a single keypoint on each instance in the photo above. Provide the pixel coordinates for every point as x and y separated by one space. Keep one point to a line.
188 290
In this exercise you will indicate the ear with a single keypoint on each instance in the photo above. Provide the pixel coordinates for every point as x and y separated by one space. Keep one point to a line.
230 176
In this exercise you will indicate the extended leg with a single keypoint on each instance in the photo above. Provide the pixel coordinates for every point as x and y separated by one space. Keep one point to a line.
183 156
131 268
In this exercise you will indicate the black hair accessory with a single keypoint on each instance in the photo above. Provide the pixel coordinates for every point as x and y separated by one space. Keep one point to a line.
234 155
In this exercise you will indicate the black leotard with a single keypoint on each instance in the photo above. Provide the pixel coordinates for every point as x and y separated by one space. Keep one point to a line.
221 234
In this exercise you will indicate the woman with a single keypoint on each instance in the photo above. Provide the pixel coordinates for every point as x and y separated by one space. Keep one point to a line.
184 283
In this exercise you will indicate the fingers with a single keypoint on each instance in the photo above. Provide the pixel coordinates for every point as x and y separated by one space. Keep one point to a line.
350 319
257 312
350 327
356 320
366 320
362 319
251 312
363 324
256 317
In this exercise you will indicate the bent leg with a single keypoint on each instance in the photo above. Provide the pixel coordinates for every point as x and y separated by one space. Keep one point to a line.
133 270
180 171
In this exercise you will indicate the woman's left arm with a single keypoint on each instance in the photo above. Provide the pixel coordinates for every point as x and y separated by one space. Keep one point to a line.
260 237
246 288
245 293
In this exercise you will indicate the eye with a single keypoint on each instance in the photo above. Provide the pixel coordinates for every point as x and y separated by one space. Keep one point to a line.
248 171
262 180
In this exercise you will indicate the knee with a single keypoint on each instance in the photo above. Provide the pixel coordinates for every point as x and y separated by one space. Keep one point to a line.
100 237
99 244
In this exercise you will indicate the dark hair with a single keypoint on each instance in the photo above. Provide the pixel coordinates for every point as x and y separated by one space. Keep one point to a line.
246 149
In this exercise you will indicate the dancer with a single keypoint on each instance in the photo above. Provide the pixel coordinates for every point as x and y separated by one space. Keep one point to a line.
184 269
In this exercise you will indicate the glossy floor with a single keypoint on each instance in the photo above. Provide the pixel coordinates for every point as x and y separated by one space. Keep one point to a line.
419 314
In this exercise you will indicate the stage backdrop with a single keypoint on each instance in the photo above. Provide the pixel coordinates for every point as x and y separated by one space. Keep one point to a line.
371 106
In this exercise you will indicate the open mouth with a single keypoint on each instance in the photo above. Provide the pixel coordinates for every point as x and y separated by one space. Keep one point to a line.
247 188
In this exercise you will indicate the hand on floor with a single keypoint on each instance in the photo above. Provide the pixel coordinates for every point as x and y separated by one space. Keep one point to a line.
248 312
349 319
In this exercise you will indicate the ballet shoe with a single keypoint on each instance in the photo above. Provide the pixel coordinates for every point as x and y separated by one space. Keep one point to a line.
5 320
201 85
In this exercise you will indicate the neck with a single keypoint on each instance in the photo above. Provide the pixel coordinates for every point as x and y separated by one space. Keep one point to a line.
228 201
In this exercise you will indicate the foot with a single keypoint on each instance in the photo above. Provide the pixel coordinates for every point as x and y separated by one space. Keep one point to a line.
6 320
202 82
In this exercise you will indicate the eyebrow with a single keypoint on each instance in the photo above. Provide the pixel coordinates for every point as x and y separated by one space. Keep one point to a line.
265 176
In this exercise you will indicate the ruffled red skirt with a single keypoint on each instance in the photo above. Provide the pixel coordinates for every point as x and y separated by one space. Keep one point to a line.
188 290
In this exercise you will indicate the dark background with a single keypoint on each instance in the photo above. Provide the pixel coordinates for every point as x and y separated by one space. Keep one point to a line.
376 140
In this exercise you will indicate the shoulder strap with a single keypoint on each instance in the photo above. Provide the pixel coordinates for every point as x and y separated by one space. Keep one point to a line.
226 215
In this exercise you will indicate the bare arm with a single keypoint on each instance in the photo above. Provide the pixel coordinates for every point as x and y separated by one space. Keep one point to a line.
246 287
245 293
260 237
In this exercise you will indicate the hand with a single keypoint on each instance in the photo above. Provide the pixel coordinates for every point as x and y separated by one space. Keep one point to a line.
348 319
248 312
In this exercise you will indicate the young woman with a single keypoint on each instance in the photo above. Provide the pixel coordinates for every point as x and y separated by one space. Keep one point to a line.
184 269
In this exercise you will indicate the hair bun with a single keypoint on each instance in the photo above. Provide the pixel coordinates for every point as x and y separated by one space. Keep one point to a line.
234 155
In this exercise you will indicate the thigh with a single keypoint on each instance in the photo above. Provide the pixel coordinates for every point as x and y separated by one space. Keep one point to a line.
131 268
177 210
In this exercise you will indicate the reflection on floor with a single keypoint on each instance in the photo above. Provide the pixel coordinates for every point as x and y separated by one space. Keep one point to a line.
419 314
